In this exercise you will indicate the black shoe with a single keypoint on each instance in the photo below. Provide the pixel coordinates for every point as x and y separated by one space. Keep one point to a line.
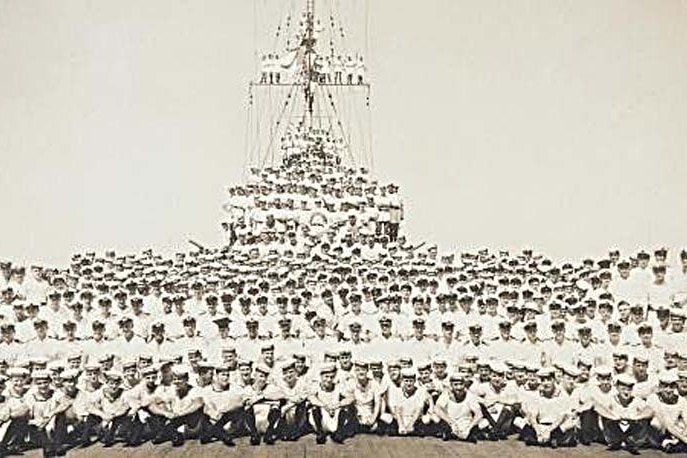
613 447
228 441
255 440
320 439
83 443
178 440
554 443
336 437
205 439
632 449
157 440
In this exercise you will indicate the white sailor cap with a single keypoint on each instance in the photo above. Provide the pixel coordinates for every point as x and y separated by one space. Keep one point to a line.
625 379
570 370
408 373
40 374
668 377
69 374
545 372
498 367
181 370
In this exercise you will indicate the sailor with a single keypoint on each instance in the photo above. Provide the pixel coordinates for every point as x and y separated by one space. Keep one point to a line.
17 408
158 343
599 392
625 418
533 348
331 405
78 403
293 411
559 349
474 342
127 343
141 400
262 400
223 406
129 374
41 344
190 337
367 401
109 412
46 414
504 347
410 406
345 373
668 427
497 400
183 406
459 411
547 415
645 383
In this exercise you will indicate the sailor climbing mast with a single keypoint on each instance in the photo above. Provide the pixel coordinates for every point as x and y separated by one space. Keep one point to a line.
312 78
310 58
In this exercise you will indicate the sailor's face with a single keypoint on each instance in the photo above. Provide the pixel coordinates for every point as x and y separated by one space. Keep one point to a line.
151 379
546 384
619 362
290 375
361 372
113 384
328 379
458 387
624 391
408 383
497 379
639 368
394 373
677 323
180 382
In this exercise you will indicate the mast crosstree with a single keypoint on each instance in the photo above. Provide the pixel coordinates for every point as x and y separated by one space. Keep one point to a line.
335 92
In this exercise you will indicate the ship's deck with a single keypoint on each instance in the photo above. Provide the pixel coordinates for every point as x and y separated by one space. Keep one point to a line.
361 446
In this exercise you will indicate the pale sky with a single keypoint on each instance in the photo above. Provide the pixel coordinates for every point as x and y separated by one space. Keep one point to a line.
557 125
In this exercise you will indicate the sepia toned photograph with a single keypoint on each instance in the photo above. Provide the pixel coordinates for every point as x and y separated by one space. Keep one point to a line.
343 228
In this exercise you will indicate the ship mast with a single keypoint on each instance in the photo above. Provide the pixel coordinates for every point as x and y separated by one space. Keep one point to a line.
309 58
284 102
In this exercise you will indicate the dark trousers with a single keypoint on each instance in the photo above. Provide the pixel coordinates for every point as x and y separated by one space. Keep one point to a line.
193 422
296 430
656 438
635 436
589 427
447 433
499 428
16 434
417 430
393 231
49 441
344 422
108 434
558 437
142 431
272 422
215 429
